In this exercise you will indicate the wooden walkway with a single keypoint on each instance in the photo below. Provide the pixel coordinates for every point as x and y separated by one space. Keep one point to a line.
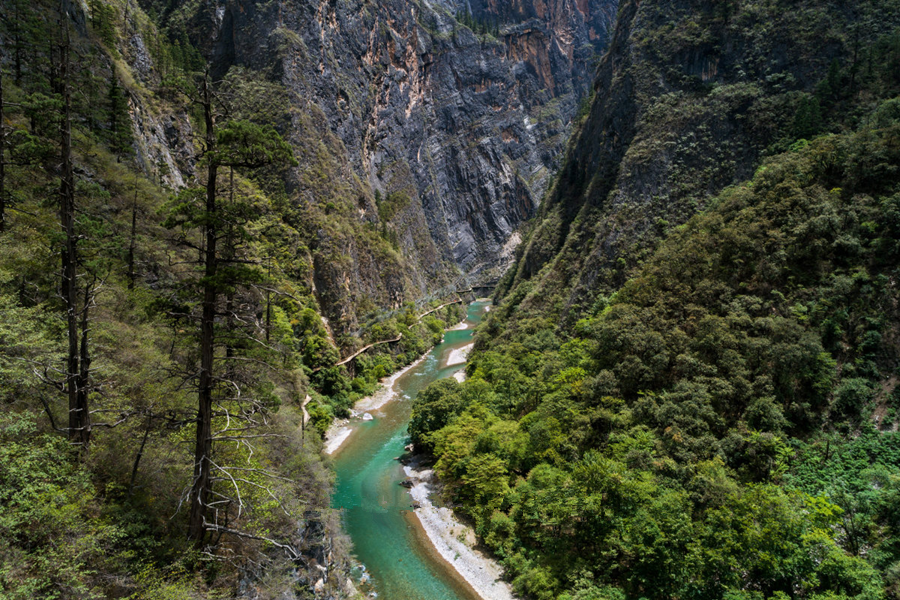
423 315
360 351
396 339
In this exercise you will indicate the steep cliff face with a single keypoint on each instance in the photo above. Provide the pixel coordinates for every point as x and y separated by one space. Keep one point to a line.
712 274
443 122
689 98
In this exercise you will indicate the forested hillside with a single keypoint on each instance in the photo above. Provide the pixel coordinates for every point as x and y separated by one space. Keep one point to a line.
689 386
161 339
222 223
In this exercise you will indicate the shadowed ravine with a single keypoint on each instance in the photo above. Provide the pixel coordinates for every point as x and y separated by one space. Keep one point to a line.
377 510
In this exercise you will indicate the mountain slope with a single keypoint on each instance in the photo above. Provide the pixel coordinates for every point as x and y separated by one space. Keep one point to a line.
232 217
689 98
445 125
725 424
688 387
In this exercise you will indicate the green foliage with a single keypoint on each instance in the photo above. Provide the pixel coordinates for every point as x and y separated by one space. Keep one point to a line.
51 541
103 17
120 135
247 145
109 523
808 118
434 408
392 204
484 25
670 442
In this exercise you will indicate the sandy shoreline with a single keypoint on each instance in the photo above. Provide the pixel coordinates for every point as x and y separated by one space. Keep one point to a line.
340 431
455 541
334 438
458 356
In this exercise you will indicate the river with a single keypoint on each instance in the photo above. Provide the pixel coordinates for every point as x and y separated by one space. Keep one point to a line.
376 509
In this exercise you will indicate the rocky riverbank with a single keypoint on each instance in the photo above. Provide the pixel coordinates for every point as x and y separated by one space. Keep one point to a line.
453 540
341 430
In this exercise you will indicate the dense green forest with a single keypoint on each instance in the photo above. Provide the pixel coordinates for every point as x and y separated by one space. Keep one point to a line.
716 416
160 343
688 387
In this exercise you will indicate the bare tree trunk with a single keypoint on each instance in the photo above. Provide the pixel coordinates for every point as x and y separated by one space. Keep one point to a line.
2 161
69 258
203 450
229 334
83 386
131 243
140 454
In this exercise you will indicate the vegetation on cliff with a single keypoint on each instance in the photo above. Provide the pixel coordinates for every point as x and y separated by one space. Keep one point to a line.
159 326
699 406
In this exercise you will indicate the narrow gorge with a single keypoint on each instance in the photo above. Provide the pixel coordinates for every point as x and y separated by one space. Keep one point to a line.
438 124
449 299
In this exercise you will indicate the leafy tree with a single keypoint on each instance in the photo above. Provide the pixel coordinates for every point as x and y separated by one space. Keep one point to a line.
433 409
808 118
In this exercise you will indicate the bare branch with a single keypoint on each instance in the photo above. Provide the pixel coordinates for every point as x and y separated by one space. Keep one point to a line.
249 437
289 550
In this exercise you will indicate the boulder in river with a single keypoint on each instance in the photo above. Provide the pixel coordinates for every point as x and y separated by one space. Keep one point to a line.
367 417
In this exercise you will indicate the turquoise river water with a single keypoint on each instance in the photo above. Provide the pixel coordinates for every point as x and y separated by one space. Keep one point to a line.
377 511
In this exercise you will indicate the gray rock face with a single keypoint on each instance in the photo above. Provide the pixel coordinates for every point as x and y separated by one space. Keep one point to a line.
469 125
677 117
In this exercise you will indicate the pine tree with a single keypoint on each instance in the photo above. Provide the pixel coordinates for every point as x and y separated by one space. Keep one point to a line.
234 145
808 118
119 119
78 356
2 160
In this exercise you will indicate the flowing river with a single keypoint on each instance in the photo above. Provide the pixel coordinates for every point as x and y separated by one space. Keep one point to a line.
377 510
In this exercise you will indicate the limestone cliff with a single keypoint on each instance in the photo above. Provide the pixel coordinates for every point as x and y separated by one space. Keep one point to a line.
434 125
690 97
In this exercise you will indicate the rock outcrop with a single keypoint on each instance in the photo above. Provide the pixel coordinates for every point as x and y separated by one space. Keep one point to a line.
443 122
689 97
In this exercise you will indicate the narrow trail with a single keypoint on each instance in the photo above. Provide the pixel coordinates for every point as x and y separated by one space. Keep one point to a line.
396 339
364 348
423 315
306 416
360 351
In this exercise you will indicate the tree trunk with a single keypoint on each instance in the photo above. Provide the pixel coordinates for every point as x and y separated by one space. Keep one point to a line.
2 161
17 45
140 454
69 258
203 450
131 243
84 374
228 252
